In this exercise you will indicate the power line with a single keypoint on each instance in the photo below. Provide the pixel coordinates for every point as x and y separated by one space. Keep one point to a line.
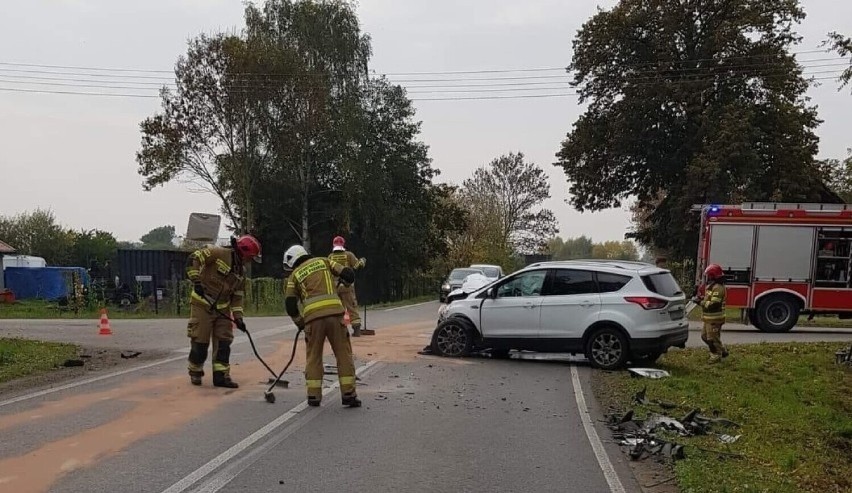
767 72
462 98
35 91
482 71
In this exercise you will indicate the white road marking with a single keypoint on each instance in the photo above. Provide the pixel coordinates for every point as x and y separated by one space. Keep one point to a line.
40 393
406 306
200 473
609 473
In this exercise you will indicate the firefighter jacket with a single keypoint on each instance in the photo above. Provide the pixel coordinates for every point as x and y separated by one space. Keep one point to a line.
713 304
313 285
346 259
222 276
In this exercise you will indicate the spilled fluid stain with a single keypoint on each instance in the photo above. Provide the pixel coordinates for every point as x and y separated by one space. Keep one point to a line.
161 405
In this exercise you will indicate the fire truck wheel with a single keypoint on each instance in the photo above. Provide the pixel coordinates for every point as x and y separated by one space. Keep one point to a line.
777 313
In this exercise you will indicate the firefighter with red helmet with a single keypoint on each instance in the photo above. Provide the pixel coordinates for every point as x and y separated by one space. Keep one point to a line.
218 284
713 311
340 255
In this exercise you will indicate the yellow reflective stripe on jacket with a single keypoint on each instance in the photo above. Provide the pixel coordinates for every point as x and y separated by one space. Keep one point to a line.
221 305
346 380
193 272
317 303
313 384
223 266
220 367
237 309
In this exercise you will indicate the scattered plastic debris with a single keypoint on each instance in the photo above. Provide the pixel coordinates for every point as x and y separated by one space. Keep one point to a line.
844 357
72 362
725 438
129 354
329 369
648 373
641 436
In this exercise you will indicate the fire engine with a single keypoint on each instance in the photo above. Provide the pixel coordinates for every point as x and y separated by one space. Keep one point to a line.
781 260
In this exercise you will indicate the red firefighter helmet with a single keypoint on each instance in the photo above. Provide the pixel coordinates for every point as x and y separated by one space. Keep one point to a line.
338 242
248 247
714 271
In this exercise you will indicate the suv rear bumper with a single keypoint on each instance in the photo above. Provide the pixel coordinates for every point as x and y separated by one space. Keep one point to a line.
660 344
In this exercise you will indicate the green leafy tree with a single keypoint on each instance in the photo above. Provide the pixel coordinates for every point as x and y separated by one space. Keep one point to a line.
159 238
38 233
93 246
616 250
205 133
838 175
694 102
842 45
571 248
511 190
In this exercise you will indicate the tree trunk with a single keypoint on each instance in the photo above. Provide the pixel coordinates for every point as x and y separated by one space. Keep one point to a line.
306 234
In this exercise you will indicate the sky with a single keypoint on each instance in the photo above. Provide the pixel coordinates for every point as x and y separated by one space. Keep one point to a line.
75 154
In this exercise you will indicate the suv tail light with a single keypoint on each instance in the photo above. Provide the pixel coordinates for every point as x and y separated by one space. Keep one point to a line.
647 302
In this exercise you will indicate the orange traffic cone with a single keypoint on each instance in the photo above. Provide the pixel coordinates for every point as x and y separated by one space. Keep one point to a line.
105 328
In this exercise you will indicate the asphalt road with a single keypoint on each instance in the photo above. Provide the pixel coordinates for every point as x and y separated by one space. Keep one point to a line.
428 424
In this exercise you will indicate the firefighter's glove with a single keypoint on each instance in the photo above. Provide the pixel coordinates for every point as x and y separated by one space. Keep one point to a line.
363 262
199 290
241 324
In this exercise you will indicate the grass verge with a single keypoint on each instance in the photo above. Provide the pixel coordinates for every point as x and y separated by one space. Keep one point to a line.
734 316
20 358
793 402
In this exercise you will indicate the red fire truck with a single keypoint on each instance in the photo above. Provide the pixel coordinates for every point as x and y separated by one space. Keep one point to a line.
780 260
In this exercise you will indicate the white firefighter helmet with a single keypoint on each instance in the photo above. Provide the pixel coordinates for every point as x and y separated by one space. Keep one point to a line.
293 254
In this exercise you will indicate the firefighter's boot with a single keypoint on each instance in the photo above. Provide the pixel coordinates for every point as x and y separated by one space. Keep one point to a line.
351 400
222 379
356 330
195 377
314 401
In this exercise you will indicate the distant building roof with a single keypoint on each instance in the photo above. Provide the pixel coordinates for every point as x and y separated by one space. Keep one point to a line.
6 248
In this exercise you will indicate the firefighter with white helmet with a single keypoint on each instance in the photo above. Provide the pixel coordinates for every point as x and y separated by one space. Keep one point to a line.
713 311
311 285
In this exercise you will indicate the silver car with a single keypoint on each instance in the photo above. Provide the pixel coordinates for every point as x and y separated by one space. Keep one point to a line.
610 311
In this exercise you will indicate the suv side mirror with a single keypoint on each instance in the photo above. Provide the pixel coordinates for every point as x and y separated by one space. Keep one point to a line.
491 293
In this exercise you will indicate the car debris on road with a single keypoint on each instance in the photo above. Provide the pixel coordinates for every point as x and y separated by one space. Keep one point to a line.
648 373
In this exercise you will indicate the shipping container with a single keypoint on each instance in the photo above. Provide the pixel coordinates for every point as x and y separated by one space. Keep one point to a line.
164 267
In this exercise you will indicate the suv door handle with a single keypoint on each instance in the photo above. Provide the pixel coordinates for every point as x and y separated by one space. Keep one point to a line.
586 304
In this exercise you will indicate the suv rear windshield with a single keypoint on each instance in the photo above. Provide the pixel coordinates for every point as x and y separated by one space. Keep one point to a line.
663 284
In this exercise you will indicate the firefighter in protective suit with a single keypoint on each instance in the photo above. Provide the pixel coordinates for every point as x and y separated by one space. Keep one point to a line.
218 280
713 312
340 255
312 284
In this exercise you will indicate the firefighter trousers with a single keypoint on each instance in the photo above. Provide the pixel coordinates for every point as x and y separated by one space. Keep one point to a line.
711 334
347 296
316 333
204 327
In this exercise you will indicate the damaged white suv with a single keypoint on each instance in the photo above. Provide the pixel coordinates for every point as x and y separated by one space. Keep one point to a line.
610 311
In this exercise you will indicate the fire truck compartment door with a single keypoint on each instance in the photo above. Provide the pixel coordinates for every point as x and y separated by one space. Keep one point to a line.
731 245
784 253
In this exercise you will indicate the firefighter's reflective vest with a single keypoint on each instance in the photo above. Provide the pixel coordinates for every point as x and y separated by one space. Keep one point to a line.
222 277
713 305
346 259
313 283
